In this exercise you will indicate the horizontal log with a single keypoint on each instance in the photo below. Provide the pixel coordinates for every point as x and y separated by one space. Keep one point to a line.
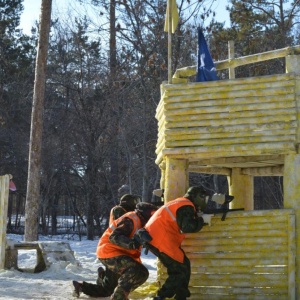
211 292
254 58
254 170
232 150
234 257
266 171
244 159
198 268
264 120
209 242
201 95
249 248
219 112
209 170
172 138
243 280
233 128
277 281
231 141
208 86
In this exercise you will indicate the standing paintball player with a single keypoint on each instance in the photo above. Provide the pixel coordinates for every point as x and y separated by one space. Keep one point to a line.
164 233
120 253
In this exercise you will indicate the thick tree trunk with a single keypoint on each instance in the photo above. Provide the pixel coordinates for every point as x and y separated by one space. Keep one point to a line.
34 163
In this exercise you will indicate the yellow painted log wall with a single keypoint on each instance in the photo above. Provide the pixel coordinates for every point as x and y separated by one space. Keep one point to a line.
240 117
250 255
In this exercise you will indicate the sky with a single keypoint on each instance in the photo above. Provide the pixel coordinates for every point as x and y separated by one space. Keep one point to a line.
55 283
32 8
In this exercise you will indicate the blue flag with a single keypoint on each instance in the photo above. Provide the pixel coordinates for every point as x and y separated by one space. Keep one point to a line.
206 70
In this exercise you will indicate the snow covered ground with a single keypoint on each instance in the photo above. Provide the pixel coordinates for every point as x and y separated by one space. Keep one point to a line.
56 282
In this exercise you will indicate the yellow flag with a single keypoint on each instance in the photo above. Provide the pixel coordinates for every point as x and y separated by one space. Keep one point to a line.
174 16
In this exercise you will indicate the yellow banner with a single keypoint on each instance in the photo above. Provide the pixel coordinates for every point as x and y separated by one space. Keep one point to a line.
174 16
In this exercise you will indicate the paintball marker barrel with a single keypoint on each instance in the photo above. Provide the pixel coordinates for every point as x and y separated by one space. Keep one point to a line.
224 200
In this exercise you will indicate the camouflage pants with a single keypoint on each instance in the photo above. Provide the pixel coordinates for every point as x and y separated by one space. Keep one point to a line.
178 279
123 274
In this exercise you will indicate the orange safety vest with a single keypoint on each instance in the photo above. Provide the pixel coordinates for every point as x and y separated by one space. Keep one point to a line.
111 216
106 249
164 230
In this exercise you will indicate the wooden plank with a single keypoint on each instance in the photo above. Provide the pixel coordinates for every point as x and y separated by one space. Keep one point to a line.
225 160
243 280
196 268
220 112
235 238
277 257
174 89
234 129
218 135
228 122
240 281
249 139
252 91
224 99
211 260
265 248
231 150
219 292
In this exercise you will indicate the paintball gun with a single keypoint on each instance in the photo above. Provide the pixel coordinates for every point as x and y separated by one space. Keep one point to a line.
223 200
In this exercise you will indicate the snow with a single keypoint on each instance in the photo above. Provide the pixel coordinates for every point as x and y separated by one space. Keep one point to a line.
56 281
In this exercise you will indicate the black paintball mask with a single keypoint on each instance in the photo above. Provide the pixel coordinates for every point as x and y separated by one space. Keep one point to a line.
199 196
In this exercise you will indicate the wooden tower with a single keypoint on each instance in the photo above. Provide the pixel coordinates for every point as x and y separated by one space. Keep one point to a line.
240 128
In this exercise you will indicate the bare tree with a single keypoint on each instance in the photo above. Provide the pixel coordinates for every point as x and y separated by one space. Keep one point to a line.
34 174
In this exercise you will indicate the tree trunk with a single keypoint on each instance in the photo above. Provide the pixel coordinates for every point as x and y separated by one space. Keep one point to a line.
34 162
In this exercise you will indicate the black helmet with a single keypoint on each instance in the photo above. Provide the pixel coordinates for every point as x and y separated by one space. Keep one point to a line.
145 210
198 195
129 201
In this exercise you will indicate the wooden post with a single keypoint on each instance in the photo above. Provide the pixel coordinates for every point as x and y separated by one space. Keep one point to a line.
292 64
231 56
176 178
291 184
291 179
4 191
241 187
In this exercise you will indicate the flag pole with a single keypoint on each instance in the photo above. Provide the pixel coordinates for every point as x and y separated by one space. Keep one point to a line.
170 41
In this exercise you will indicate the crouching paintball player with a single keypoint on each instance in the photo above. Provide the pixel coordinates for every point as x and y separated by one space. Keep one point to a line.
120 253
127 203
164 233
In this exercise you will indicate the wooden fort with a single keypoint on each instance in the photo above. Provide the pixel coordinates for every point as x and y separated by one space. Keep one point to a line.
240 128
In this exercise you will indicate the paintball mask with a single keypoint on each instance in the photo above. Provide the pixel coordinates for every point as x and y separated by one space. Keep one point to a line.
198 195
129 201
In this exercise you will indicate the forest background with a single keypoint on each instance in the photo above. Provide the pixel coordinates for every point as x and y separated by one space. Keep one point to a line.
103 85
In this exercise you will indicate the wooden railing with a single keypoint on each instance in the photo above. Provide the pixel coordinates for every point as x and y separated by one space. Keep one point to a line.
233 63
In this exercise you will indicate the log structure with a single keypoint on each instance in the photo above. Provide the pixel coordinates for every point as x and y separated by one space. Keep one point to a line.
240 128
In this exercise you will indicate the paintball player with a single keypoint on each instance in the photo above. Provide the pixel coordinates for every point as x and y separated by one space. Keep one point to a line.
128 203
120 253
164 233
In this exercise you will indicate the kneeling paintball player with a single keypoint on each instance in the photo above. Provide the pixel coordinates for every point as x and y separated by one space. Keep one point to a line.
120 253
